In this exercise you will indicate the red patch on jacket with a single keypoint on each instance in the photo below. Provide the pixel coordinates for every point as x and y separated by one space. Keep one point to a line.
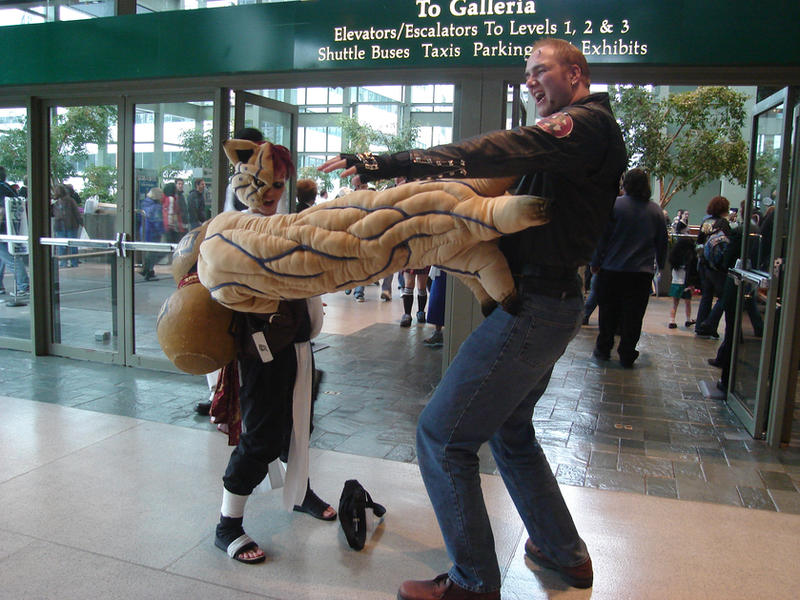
558 125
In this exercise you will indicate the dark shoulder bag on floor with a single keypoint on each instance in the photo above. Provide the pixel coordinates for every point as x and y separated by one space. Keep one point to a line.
353 506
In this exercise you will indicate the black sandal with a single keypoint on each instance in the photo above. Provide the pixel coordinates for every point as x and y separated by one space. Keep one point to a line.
315 506
231 538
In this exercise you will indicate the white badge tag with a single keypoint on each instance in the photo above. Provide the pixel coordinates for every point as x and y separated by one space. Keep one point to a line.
262 347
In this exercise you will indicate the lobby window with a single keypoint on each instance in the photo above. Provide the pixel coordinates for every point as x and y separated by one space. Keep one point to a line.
29 13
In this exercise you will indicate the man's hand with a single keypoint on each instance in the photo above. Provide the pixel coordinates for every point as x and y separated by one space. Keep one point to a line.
336 163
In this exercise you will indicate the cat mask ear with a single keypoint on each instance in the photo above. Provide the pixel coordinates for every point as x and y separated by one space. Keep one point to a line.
232 147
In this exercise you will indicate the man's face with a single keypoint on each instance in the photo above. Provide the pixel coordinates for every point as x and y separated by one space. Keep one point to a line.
269 201
201 186
179 184
550 83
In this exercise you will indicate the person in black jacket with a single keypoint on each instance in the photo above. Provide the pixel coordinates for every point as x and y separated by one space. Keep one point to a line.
634 242
196 204
574 156
712 280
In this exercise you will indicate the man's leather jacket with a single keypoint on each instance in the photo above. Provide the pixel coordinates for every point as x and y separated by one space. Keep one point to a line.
574 157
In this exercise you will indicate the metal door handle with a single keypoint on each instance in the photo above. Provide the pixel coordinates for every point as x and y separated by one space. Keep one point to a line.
757 278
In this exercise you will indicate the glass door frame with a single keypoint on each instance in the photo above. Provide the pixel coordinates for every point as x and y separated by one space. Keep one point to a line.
755 420
129 245
242 98
48 241
124 244
781 408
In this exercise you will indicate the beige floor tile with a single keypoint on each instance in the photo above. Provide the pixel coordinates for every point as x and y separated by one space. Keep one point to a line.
33 434
48 571
131 516
147 494
655 548
309 559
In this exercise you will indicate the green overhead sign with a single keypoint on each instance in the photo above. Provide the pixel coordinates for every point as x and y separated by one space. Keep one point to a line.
370 34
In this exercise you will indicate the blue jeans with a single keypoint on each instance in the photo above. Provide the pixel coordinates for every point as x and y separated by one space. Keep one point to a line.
488 394
16 265
62 250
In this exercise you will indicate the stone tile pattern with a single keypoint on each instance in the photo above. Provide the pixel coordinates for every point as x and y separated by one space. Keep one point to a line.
646 430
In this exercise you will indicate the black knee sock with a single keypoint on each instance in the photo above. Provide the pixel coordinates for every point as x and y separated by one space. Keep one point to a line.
408 303
422 300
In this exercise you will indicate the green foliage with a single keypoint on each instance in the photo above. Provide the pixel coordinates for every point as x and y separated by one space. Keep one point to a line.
71 130
197 148
101 182
766 172
14 152
686 139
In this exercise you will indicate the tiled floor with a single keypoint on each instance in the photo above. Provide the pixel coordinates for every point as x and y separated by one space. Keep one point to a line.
99 506
648 430
110 484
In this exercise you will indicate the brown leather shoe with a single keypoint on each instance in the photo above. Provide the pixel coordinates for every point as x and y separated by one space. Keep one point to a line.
441 588
580 576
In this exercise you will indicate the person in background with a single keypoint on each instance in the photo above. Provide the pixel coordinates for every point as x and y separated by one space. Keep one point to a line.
15 263
67 220
184 209
436 306
75 195
711 280
196 204
152 229
683 260
173 221
634 242
421 278
306 194
680 224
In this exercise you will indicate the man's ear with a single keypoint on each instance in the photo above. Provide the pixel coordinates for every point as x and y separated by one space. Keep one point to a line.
575 74
231 146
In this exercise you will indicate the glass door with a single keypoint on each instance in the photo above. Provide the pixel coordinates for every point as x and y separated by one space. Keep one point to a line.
277 121
15 207
84 220
127 182
172 188
759 275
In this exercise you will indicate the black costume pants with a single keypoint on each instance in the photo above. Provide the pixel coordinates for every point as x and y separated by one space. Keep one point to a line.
265 397
622 299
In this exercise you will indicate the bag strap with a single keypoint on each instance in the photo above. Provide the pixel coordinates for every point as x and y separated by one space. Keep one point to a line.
378 509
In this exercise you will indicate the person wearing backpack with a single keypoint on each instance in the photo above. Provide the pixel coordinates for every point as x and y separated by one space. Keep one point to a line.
13 262
712 279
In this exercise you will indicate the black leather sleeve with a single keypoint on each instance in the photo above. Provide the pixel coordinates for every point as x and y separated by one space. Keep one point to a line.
496 154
